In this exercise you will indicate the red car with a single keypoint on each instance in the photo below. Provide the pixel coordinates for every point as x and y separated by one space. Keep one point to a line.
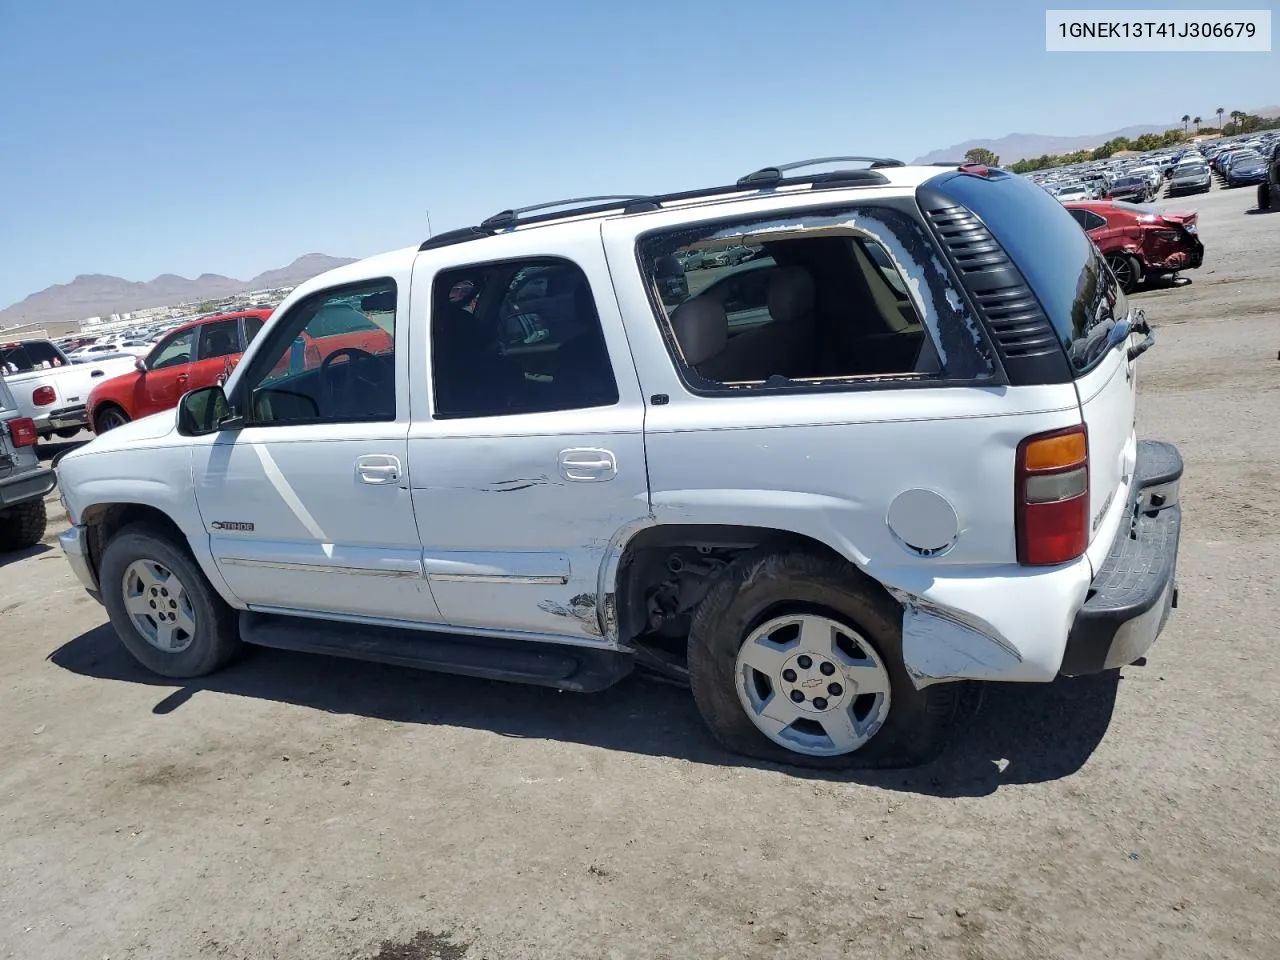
1139 241
197 354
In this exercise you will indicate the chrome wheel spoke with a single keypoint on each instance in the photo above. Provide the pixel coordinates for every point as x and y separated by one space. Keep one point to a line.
761 653
800 678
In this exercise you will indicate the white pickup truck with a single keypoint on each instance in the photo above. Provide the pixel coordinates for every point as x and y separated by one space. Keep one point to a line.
890 450
50 388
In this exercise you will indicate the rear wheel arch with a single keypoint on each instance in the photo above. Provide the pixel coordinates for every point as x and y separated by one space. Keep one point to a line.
639 564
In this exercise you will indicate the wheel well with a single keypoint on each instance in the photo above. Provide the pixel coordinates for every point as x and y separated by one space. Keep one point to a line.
104 520
666 570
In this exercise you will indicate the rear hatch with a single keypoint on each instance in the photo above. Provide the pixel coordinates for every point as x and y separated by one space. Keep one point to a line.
1091 319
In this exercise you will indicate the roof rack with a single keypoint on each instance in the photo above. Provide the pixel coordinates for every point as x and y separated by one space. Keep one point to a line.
775 174
763 179
509 218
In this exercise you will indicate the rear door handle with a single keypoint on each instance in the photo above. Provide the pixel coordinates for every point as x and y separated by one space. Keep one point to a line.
378 468
588 464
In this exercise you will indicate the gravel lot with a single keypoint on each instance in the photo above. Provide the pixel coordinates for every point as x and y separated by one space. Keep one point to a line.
300 807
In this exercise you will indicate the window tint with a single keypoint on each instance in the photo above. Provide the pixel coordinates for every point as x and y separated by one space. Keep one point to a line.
1092 221
1058 260
330 359
28 356
252 327
517 337
800 306
174 351
221 339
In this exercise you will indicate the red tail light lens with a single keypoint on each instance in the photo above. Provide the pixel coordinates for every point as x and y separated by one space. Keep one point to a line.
43 396
1052 496
23 431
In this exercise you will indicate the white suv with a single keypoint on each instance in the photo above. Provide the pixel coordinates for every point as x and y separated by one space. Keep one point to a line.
890 449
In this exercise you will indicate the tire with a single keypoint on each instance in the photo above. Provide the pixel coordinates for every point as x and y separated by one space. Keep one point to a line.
215 639
1264 196
762 588
23 526
108 418
66 433
1128 271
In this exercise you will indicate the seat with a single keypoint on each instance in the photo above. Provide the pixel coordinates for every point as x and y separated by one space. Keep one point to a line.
783 347
581 372
471 378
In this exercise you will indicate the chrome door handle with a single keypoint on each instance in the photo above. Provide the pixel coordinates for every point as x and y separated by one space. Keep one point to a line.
588 465
378 468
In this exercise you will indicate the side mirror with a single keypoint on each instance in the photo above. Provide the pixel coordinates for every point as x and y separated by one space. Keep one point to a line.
204 411
140 365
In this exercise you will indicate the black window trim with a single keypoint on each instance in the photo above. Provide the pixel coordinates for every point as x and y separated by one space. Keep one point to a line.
697 386
270 333
519 262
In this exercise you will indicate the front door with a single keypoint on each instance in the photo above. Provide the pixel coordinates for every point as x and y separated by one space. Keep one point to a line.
217 350
168 372
307 506
526 456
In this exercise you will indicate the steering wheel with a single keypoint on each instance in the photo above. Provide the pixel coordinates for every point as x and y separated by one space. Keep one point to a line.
336 384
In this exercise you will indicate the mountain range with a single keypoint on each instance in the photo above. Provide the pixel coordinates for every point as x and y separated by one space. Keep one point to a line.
95 294
1019 146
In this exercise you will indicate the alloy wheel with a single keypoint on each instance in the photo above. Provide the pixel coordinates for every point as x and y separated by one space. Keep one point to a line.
159 606
813 685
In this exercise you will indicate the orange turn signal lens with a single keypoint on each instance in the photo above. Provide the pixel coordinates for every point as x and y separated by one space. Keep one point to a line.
1055 453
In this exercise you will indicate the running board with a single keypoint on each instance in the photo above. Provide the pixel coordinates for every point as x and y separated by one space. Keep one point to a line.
564 667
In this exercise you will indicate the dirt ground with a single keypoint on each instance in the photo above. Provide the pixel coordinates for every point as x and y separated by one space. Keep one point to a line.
303 808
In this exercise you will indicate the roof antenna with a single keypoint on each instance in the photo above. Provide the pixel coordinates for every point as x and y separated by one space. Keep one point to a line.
430 232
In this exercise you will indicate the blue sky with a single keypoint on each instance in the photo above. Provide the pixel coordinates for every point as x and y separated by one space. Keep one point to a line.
141 138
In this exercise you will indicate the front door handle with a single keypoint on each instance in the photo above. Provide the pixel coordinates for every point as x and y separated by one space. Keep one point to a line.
378 468
588 464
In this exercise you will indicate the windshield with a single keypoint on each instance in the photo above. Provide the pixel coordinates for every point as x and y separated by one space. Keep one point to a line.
1130 181
1136 207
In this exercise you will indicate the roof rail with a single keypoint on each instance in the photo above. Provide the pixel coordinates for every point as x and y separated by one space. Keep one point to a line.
509 218
775 173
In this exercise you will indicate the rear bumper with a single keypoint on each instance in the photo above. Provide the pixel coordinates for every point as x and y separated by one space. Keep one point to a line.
1135 587
26 486
63 418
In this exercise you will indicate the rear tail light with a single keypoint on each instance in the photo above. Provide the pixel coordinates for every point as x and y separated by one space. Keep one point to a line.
23 431
43 396
1052 496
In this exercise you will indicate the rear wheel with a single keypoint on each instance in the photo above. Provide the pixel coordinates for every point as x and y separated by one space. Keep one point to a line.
796 658
1127 269
1264 196
23 526
108 418
162 606
66 433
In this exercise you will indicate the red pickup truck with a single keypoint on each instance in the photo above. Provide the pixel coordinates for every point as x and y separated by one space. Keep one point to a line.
197 354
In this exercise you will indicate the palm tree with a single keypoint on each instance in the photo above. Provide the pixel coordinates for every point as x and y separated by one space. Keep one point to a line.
1236 117
1220 112
1186 118
1196 121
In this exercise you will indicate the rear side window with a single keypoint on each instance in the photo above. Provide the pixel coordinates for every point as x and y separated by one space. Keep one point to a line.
811 300
25 357
1065 270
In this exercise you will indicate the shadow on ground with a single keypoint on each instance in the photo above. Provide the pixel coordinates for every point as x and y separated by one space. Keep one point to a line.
1010 734
17 556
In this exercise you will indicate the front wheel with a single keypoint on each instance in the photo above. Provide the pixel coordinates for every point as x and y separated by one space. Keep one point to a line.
162 606
108 418
1127 269
796 658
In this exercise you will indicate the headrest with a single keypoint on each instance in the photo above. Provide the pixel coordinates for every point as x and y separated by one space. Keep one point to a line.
790 294
701 327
